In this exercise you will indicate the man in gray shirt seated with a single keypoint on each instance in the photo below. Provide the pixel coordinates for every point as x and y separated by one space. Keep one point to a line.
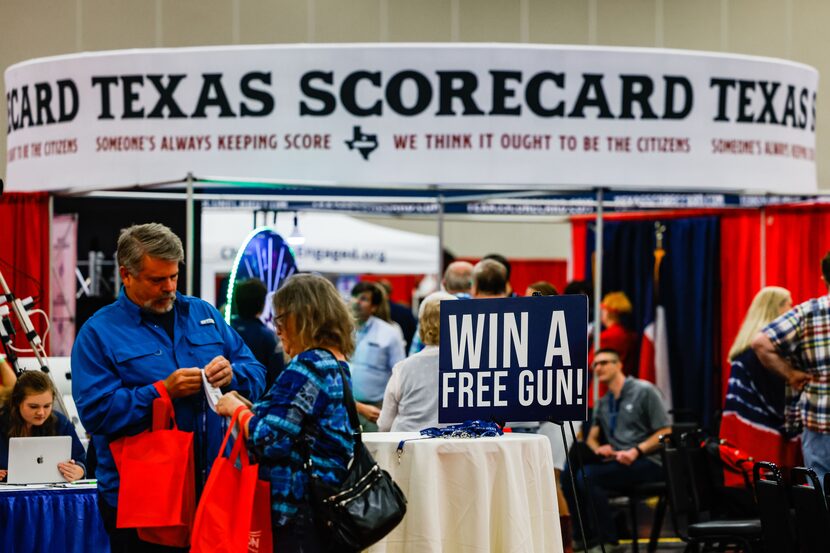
631 417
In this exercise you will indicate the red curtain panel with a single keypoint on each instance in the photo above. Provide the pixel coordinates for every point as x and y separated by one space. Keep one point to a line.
24 251
740 275
797 238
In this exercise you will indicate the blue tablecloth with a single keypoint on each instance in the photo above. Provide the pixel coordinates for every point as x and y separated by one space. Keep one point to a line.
60 520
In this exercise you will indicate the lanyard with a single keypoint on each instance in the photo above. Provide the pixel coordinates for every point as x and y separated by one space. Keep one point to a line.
613 411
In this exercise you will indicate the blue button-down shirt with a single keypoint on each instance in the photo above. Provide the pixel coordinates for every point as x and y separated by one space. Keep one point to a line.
378 347
118 355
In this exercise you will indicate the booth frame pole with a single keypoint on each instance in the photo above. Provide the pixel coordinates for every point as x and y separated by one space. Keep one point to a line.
598 251
440 200
49 300
763 256
189 221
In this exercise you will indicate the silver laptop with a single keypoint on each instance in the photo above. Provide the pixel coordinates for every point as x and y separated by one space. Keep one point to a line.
35 460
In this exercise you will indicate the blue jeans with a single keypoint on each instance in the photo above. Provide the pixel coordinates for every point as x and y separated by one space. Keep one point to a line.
604 477
816 449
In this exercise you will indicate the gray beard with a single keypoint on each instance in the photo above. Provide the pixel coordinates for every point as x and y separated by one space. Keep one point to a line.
148 306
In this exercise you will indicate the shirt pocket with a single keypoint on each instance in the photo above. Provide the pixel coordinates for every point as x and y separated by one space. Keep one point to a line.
204 346
135 360
377 357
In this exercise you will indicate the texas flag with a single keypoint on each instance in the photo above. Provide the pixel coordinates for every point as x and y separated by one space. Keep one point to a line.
654 354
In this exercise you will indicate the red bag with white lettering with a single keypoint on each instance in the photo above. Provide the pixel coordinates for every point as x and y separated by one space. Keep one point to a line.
157 495
234 513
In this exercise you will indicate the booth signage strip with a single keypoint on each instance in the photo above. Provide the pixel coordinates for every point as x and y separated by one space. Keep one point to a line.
414 116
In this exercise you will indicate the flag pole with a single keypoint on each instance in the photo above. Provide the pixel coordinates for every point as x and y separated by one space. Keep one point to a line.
597 284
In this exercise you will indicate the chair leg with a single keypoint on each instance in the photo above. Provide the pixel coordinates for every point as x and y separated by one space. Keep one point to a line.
632 506
657 525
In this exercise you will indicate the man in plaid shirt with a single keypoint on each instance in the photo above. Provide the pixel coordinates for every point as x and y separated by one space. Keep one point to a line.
796 346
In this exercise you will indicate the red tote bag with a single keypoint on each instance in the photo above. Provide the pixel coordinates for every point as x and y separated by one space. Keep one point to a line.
157 494
234 513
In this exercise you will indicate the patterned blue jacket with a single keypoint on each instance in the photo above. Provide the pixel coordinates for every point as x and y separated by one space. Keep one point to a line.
306 400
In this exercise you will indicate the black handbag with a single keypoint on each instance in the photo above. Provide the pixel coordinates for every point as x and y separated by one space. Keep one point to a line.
367 505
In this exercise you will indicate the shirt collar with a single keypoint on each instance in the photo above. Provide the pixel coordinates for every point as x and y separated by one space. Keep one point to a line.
182 305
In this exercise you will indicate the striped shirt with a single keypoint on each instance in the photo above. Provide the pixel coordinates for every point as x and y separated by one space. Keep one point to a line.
802 336
306 400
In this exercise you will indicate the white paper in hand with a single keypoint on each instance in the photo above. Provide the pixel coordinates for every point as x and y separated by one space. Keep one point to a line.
213 393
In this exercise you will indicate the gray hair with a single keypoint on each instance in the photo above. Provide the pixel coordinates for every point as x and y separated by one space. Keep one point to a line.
151 239
458 277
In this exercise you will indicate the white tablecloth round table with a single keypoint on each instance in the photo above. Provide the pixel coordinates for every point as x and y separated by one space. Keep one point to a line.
471 495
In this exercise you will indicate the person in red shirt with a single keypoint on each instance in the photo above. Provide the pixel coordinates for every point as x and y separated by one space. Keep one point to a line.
615 307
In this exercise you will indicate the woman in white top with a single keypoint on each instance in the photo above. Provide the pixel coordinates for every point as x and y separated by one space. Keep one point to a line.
410 402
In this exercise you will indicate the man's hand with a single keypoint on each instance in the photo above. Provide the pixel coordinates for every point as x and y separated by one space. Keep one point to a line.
628 456
219 372
369 412
183 382
605 451
798 379
3 473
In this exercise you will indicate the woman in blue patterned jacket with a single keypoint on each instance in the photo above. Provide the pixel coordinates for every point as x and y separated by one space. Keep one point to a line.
303 409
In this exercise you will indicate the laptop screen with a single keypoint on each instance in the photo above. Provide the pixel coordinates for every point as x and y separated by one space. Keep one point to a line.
35 460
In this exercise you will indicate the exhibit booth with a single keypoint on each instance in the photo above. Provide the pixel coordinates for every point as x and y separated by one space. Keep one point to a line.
489 130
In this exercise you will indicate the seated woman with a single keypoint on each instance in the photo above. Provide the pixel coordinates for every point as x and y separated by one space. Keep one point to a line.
304 410
28 412
410 402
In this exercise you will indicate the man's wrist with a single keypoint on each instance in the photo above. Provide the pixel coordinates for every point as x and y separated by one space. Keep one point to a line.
640 452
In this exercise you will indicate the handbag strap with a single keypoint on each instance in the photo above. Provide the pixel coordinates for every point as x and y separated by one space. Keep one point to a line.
348 400
163 412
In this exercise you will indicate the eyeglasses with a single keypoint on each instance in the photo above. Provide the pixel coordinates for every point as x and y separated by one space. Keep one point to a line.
602 362
277 324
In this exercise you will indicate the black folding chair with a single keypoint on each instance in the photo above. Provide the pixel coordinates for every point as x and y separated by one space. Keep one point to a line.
777 524
640 493
691 503
812 519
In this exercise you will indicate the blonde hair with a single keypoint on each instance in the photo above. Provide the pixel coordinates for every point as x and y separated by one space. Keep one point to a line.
765 306
429 317
321 318
616 304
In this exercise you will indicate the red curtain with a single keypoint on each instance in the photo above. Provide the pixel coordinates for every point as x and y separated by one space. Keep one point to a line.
797 239
740 272
579 233
24 251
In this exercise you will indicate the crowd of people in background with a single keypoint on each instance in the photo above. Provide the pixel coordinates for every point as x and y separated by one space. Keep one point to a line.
290 381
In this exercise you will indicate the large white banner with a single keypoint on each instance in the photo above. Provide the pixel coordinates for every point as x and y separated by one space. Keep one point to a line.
508 116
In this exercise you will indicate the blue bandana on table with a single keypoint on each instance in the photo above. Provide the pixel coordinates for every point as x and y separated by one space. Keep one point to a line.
467 429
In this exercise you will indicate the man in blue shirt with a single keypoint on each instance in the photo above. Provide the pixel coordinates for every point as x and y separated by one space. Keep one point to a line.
378 347
150 334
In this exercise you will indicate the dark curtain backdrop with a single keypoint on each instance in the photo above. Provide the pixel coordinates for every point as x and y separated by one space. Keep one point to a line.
100 221
688 291
24 251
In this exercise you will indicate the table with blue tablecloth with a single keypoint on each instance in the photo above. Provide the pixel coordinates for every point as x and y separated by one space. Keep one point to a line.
51 519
